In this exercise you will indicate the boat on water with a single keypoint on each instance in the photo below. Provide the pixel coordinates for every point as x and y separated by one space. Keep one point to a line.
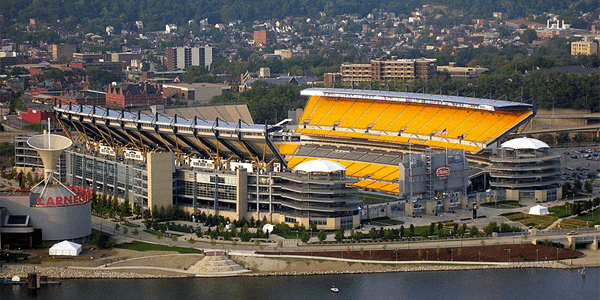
334 289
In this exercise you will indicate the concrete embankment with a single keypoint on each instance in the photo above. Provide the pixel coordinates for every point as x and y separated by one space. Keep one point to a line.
7 271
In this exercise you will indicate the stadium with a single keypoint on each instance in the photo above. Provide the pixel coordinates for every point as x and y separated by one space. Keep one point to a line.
242 170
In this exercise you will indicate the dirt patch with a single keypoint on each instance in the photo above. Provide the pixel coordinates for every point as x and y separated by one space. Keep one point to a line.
173 261
492 253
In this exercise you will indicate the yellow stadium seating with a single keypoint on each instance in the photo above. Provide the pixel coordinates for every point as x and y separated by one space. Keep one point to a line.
407 116
391 188
436 121
321 110
287 149
370 169
310 106
385 172
386 138
425 116
321 132
335 113
389 115
377 185
392 177
294 161
354 134
357 110
363 183
371 114
354 167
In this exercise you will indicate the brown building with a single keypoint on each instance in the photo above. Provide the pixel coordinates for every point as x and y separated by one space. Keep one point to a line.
127 95
390 70
88 57
63 51
264 37
585 47
114 67
331 78
126 57
80 97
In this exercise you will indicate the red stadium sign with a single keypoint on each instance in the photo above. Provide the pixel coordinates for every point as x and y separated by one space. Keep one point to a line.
82 195
443 172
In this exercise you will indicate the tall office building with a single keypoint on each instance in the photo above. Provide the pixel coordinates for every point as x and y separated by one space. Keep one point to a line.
183 57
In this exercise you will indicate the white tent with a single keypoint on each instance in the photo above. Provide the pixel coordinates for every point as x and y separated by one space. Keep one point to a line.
268 228
66 248
538 210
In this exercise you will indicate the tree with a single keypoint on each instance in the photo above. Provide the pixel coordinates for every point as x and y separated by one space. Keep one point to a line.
137 209
562 138
373 233
431 229
588 187
528 36
547 138
135 232
305 237
389 235
339 235
322 236
579 138
401 231
577 186
411 230
491 227
473 231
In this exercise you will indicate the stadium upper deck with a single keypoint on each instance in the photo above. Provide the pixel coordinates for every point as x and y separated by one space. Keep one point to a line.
120 129
435 121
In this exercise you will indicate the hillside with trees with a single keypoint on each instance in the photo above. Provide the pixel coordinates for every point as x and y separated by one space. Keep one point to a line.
155 14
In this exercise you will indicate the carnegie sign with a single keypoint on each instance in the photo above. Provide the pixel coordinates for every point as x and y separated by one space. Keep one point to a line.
443 172
82 195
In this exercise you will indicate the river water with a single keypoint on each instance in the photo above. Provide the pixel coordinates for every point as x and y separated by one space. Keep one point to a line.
472 284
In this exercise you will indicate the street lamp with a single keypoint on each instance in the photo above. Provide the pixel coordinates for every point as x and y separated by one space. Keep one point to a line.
509 254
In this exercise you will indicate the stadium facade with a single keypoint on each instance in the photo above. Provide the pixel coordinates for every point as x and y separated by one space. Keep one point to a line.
242 170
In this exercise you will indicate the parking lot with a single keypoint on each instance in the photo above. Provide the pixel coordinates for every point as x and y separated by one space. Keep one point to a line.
583 162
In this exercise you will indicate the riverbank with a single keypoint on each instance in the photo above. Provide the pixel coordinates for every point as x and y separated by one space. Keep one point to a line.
175 266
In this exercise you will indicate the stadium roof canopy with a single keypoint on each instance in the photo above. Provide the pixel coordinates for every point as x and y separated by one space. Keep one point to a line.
203 138
464 102
524 143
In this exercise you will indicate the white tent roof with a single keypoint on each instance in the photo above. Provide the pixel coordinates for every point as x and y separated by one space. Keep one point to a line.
319 165
524 143
538 210
66 245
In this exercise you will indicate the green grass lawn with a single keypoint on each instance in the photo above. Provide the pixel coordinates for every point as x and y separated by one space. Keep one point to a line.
592 218
503 204
559 211
371 198
141 246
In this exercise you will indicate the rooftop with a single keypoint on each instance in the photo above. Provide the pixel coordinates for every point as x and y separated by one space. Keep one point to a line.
464 102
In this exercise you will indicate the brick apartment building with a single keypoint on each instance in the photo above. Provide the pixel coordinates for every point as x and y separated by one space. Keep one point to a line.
127 95
390 70
63 51
264 37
